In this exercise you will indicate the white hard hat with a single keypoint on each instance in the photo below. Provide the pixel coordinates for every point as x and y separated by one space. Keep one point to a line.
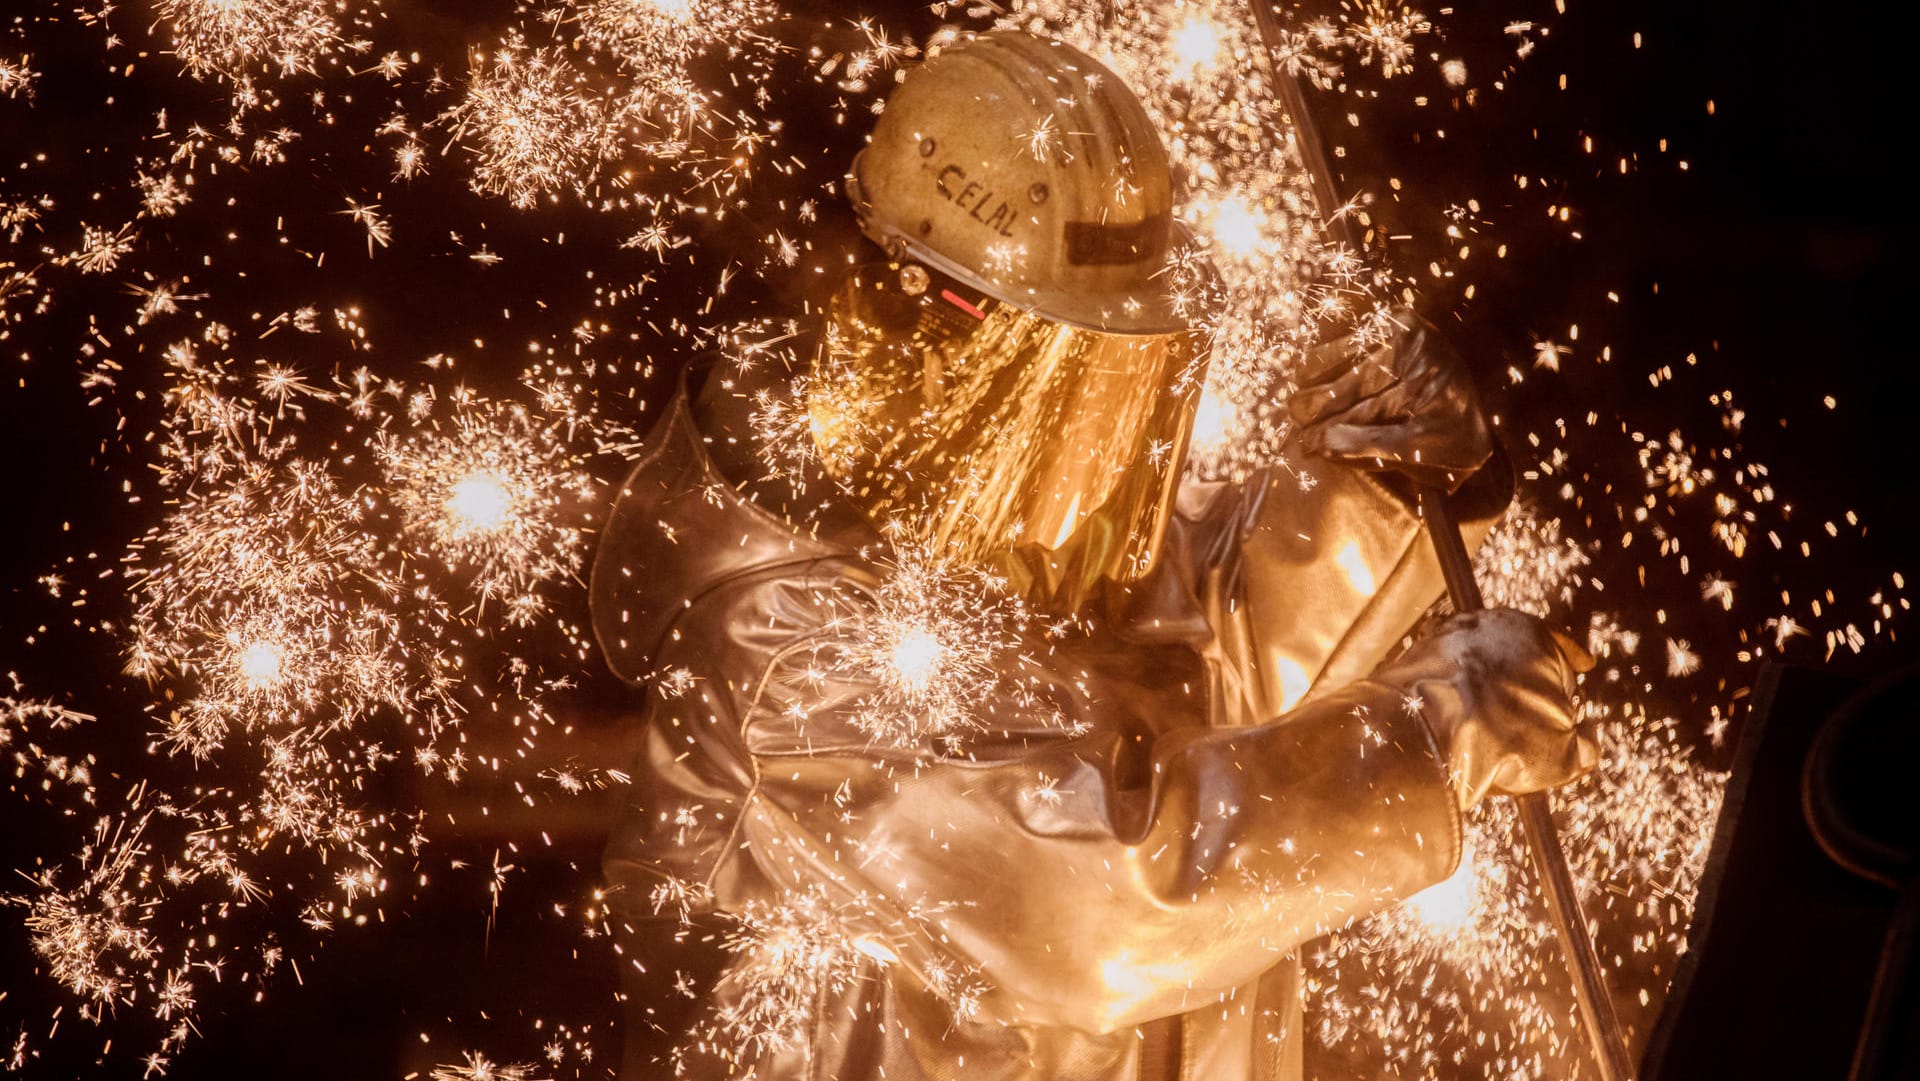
1025 168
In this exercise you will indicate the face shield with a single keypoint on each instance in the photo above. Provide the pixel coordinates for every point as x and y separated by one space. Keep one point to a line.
987 433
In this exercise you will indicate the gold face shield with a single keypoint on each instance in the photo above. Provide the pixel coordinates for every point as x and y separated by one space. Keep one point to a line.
991 434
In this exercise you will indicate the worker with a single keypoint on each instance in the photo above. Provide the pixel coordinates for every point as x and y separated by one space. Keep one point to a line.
994 746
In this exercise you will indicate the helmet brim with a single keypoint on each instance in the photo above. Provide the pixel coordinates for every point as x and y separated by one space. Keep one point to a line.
1154 309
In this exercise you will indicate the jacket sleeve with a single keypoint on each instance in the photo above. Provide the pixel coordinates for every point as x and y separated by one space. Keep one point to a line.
1090 875
1308 579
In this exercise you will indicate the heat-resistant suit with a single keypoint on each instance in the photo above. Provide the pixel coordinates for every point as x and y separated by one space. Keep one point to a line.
1110 877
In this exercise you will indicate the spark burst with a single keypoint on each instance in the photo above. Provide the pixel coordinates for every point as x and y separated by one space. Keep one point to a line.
537 123
92 935
794 952
662 35
478 1067
534 123
17 78
226 38
490 496
932 639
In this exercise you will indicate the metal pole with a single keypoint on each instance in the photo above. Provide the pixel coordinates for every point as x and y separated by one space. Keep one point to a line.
1536 823
1456 568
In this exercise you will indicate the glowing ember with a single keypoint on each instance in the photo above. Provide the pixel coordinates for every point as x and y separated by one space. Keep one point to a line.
479 503
1213 421
1237 226
261 665
1197 44
1445 907
916 658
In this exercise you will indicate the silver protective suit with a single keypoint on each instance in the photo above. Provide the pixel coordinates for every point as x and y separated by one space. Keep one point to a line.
1115 897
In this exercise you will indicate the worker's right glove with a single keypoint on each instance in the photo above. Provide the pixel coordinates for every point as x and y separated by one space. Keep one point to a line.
1495 688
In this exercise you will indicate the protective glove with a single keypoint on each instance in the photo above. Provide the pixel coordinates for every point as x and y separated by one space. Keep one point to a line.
1495 689
1406 406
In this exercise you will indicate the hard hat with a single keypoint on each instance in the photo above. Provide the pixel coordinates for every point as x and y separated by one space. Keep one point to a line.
1026 169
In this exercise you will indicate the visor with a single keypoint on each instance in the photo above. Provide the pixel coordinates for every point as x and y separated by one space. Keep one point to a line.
979 429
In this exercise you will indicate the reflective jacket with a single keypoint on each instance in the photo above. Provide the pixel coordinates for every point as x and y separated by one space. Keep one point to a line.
1111 879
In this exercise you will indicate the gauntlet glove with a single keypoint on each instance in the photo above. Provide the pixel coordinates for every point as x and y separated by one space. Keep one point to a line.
1406 406
1495 688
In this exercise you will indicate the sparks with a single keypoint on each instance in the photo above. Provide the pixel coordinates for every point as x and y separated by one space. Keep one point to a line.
479 503
1197 45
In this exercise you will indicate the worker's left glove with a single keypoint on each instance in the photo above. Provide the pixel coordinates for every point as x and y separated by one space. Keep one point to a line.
1406 405
1495 688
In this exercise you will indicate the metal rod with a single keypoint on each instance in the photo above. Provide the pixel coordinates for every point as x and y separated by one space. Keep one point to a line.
1456 568
1306 137
1536 823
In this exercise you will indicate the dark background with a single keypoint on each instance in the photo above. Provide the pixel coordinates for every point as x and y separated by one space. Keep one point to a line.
1778 254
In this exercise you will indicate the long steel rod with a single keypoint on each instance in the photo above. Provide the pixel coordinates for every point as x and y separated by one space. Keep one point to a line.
1456 568
1536 823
